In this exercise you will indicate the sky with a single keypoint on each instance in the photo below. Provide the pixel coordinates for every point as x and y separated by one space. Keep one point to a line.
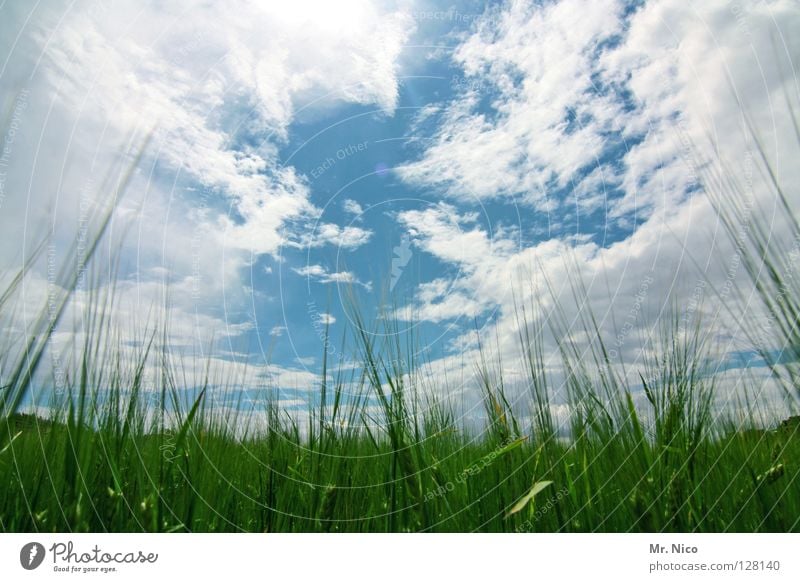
429 164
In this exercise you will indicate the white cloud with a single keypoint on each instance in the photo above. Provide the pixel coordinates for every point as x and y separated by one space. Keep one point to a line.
648 99
326 319
352 207
592 192
574 82
322 275
218 89
349 237
201 76
277 330
538 59
457 239
452 237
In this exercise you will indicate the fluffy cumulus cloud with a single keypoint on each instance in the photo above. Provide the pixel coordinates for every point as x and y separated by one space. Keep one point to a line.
458 240
219 88
614 107
215 89
348 237
545 121
559 89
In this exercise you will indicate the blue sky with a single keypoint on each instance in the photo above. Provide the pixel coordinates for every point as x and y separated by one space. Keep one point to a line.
424 160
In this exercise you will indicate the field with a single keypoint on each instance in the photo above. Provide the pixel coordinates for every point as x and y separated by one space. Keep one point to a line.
118 478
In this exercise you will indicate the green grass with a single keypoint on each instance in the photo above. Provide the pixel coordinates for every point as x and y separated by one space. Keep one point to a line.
384 448
58 477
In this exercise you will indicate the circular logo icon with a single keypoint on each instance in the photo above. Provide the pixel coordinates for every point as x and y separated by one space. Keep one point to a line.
31 555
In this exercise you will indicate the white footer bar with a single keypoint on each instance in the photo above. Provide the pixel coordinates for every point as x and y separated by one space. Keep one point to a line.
390 557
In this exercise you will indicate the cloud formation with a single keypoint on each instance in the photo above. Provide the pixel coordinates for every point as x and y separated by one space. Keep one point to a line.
575 106
219 89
